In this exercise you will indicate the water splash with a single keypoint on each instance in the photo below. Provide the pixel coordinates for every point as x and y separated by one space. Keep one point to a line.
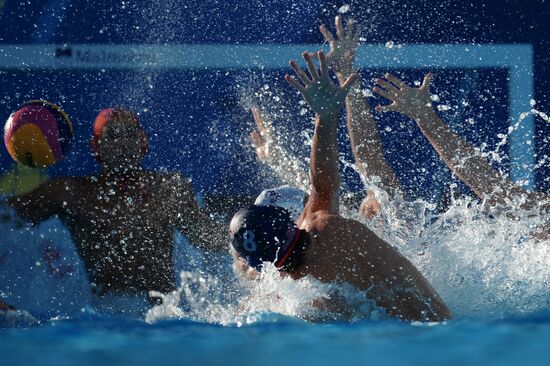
201 298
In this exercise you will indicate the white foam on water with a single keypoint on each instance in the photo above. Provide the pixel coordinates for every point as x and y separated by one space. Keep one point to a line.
255 300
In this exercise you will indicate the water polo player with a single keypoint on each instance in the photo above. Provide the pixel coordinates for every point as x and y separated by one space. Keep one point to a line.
122 219
323 244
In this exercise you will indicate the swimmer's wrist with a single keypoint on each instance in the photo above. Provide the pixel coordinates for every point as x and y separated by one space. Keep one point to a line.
424 114
327 116
344 74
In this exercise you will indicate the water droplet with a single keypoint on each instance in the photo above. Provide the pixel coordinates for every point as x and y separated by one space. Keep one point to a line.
344 9
366 93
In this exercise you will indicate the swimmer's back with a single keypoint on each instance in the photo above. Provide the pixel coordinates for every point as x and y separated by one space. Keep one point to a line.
344 250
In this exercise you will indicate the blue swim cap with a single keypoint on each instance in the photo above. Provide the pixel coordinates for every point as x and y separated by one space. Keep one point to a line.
264 234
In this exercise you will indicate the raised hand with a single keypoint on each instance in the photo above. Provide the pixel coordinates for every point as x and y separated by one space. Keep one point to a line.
323 96
412 102
260 138
342 49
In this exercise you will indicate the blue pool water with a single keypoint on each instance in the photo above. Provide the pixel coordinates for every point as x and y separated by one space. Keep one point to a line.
275 340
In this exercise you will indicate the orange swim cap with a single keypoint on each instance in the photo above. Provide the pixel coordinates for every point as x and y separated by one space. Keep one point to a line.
109 115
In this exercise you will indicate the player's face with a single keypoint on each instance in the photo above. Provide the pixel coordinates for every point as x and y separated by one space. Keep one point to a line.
121 145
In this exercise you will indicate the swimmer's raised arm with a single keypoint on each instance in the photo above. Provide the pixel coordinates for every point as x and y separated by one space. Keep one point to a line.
362 128
326 100
269 151
460 156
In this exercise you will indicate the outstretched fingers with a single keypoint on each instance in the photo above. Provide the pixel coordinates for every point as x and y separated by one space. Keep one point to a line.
387 86
398 82
349 81
326 33
323 64
384 93
295 83
427 81
310 66
300 73
340 33
350 25
386 108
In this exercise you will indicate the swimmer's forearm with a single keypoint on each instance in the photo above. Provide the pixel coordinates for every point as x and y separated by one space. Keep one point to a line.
325 177
288 166
462 158
365 140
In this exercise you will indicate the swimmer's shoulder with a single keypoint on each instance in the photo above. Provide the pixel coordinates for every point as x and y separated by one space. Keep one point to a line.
318 220
61 187
325 223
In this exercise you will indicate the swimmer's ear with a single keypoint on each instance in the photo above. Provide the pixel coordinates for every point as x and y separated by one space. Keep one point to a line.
143 141
94 147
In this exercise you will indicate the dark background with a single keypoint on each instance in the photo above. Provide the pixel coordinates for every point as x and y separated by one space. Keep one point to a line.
197 120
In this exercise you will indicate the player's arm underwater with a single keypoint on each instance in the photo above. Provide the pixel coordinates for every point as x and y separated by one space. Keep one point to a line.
194 223
465 161
326 99
43 202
